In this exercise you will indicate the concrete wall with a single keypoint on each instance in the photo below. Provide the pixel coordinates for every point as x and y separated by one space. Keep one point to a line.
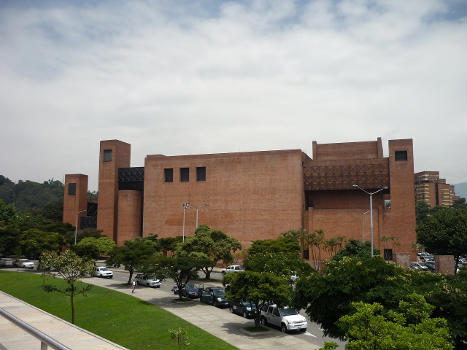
77 203
250 196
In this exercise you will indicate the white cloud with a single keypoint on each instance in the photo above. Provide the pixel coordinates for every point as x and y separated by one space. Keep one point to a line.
182 79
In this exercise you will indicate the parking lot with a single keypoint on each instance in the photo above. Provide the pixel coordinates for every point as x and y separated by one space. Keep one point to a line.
219 322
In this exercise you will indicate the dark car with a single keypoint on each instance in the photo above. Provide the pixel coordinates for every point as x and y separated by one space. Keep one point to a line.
191 291
431 265
214 296
244 308
175 289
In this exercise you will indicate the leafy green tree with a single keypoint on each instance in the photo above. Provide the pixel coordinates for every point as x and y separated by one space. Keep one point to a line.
103 244
210 245
259 288
444 232
459 203
88 251
410 327
169 244
33 242
354 247
71 268
86 233
180 336
132 254
181 269
279 256
422 210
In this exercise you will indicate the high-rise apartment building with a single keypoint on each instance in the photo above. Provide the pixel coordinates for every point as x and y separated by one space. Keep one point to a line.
429 188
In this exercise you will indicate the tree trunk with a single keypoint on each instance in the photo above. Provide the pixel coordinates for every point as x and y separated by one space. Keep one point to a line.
208 274
257 318
456 259
72 295
131 275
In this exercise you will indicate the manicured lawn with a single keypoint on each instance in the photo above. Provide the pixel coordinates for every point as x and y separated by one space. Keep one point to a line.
121 318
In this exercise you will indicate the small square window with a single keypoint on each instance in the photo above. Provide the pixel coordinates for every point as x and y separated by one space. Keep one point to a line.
72 188
184 174
401 155
201 173
107 155
169 175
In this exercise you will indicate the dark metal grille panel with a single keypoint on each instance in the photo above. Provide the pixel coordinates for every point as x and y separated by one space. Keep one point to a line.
341 175
87 222
131 178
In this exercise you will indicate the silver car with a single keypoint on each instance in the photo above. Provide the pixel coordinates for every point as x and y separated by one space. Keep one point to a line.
145 280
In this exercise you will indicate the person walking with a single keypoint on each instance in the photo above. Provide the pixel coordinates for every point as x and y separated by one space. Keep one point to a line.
134 287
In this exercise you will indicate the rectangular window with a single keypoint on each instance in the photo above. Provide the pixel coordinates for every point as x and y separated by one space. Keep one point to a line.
401 155
72 188
201 173
107 155
184 174
169 175
388 254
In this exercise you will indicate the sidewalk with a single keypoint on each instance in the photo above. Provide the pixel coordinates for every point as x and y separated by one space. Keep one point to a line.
14 338
218 322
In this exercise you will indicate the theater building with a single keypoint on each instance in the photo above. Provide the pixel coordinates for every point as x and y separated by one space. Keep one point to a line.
255 195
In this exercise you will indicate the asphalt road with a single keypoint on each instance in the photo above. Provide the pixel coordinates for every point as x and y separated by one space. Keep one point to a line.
314 334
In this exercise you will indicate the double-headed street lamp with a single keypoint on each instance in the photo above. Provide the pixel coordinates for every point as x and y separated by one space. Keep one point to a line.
371 209
76 227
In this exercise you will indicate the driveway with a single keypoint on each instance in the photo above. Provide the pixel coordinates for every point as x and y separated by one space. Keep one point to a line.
219 322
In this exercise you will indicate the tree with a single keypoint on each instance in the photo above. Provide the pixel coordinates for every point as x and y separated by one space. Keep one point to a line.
104 244
259 288
444 232
410 327
132 254
459 203
86 233
279 256
180 336
354 247
71 268
422 210
180 268
33 242
169 244
211 245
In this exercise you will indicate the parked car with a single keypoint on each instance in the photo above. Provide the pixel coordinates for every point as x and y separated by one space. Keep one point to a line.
103 271
20 262
293 277
214 296
28 265
145 280
233 268
244 308
431 265
418 266
192 291
175 289
287 319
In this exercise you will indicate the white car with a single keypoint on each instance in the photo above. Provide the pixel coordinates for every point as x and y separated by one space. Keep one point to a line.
145 280
233 268
28 265
103 271
286 318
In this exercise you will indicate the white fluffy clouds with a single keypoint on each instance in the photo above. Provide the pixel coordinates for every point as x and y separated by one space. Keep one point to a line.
205 77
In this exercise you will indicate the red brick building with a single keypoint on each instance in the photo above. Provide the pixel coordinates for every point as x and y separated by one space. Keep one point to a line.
429 188
256 195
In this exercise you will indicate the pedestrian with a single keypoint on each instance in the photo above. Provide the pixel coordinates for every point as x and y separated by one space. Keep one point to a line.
134 287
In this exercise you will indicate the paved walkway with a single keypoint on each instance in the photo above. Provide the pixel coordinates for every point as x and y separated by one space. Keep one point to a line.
219 322
14 338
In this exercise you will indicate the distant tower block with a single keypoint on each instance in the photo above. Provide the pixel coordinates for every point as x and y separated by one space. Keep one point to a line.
114 154
75 198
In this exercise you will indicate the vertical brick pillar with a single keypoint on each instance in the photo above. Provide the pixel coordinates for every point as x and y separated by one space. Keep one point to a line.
75 197
129 215
114 154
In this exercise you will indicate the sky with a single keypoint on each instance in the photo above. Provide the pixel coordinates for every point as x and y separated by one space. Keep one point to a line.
193 77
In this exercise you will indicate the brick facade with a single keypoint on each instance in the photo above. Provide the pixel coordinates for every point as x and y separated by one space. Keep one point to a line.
258 195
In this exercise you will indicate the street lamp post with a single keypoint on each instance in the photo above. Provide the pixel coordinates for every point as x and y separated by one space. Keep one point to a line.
197 209
371 209
363 223
76 226
185 207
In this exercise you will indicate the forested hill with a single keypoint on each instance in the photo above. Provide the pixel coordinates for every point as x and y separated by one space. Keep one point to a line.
29 196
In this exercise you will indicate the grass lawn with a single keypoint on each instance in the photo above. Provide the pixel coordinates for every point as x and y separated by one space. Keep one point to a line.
121 318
